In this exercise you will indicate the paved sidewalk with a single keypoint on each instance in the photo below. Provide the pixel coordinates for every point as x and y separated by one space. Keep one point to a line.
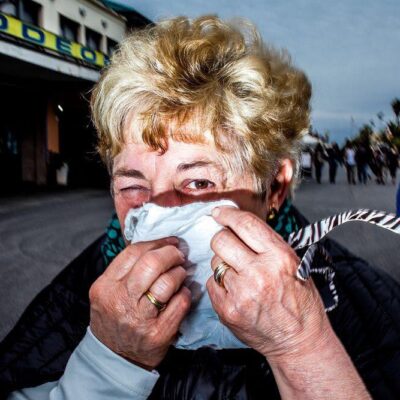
379 247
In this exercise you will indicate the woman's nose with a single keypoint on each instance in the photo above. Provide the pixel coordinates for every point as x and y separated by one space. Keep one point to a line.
170 198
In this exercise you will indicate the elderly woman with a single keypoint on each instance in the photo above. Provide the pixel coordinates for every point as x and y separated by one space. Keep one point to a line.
189 112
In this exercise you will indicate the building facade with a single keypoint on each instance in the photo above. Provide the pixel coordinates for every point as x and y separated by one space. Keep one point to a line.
51 54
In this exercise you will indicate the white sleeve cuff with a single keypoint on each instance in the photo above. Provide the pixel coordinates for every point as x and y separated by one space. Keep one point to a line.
94 372
115 368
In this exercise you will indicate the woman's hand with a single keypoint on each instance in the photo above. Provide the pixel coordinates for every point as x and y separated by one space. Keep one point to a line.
121 315
275 313
263 302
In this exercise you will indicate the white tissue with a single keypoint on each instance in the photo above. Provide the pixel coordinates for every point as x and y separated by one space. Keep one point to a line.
195 227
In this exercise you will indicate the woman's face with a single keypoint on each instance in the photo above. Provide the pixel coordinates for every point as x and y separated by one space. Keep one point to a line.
184 174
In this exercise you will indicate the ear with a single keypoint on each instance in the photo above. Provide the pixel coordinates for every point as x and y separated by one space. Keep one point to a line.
280 186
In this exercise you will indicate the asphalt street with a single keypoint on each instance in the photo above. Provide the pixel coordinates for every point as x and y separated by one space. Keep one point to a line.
40 234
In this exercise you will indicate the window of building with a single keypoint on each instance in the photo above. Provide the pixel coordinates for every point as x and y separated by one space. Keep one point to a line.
30 12
69 29
25 10
9 7
93 40
111 46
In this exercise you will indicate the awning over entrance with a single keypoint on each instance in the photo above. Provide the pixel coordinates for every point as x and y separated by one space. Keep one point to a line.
44 62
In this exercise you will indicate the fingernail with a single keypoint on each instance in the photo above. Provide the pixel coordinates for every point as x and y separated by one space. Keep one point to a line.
215 212
182 255
173 240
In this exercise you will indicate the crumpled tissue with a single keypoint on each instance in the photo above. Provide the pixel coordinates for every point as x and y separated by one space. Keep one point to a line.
195 227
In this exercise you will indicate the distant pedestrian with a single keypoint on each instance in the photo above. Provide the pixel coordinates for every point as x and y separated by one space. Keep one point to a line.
361 157
398 201
350 162
334 157
319 155
392 162
378 163
306 163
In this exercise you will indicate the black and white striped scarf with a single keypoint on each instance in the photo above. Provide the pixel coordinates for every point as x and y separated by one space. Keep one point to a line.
316 261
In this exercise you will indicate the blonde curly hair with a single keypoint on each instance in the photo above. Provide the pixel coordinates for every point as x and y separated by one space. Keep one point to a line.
204 80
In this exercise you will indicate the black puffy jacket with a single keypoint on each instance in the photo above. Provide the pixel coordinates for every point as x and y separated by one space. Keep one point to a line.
367 321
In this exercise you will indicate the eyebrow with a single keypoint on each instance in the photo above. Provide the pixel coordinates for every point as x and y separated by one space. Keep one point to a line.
201 163
196 164
128 173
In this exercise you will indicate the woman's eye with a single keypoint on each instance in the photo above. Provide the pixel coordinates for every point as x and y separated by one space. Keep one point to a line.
200 184
133 190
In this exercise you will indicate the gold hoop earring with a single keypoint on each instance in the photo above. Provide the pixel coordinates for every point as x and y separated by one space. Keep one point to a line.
272 213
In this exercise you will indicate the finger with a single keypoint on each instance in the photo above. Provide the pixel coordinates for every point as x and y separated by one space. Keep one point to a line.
149 267
177 308
230 275
218 295
248 227
163 289
125 260
232 250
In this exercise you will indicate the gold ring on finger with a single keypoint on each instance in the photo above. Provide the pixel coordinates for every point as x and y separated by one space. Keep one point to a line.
220 272
158 304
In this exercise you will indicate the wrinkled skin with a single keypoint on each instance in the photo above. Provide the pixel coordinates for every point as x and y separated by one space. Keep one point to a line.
123 318
263 304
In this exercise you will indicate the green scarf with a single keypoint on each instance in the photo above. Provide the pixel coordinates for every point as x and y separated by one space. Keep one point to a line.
284 223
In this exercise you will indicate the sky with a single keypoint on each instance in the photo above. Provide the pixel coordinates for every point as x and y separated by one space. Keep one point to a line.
350 50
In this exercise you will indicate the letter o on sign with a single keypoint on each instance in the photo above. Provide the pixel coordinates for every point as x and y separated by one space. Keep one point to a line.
88 55
33 34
